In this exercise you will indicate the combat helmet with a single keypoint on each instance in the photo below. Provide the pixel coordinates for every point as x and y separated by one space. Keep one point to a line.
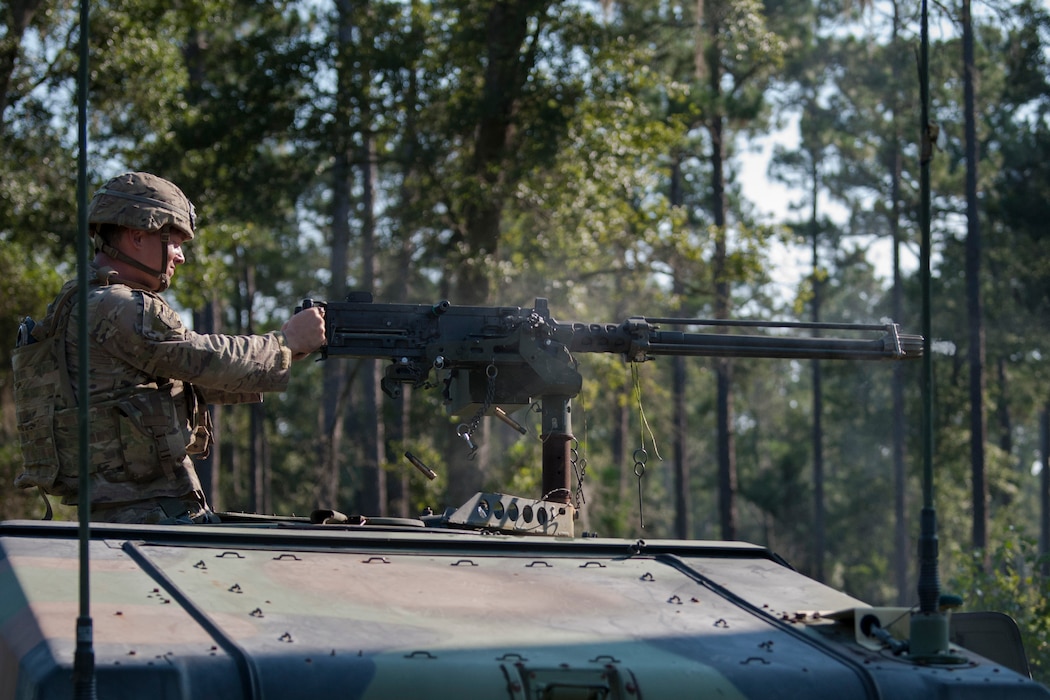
144 202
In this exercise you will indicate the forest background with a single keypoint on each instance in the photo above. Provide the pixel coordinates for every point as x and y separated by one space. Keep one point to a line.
590 153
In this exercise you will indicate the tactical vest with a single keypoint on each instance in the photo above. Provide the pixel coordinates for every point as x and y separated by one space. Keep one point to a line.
137 435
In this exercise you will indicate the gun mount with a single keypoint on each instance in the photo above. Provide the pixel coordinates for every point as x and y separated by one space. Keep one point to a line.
494 358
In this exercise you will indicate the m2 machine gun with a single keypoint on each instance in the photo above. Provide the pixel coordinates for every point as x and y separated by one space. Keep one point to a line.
492 360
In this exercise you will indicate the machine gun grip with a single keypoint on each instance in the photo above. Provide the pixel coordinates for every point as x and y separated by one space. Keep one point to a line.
309 304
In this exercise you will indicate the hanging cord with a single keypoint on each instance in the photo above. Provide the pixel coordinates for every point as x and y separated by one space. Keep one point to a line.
641 456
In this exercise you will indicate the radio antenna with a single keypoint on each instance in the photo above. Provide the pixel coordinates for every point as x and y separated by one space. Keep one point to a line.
84 684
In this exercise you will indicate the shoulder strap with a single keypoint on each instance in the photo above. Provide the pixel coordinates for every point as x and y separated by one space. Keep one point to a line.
59 324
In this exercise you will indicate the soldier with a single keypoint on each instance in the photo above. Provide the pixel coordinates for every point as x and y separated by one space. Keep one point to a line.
150 378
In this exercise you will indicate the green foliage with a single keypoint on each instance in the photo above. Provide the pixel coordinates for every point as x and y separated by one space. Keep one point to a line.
1016 583
28 283
134 106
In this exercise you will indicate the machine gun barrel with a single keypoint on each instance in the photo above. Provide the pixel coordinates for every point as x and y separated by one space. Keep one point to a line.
640 339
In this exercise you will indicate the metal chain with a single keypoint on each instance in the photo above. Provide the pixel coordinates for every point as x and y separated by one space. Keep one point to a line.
466 431
579 462
640 458
579 466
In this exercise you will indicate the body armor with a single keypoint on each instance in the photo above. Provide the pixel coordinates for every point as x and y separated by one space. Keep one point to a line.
150 380
140 434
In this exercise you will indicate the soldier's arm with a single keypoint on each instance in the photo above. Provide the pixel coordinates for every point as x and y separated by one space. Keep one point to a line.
149 335
223 363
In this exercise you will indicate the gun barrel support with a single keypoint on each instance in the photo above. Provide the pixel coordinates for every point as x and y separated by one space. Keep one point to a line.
557 438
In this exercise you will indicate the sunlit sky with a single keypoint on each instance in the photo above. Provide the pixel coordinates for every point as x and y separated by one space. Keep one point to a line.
773 201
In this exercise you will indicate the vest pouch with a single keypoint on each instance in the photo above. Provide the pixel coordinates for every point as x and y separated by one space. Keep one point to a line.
48 433
39 457
37 375
151 437
105 448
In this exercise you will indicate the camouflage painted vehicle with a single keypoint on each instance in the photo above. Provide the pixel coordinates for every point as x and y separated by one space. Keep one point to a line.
499 598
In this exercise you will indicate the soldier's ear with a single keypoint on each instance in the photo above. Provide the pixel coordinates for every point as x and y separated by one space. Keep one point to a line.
136 238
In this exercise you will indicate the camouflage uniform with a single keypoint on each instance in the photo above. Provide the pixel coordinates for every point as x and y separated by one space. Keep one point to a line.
149 380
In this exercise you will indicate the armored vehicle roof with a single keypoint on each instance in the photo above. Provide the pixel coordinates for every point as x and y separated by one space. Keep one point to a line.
285 609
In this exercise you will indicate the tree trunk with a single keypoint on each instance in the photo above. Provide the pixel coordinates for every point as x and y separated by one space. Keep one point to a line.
1044 488
1002 412
19 15
490 174
506 71
819 539
973 296
256 436
902 550
335 373
682 510
399 488
727 475
373 441
621 430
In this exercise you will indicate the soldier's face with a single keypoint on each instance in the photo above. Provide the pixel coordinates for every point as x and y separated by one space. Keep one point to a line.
148 248
175 254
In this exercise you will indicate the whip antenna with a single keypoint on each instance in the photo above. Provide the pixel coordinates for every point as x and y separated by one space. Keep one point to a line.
84 685
929 626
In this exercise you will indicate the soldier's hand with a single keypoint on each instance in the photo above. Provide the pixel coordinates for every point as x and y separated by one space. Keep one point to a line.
304 332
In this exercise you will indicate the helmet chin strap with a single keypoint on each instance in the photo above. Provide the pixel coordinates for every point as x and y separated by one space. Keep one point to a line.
161 274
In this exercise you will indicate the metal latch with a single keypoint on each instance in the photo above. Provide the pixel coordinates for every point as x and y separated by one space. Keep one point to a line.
607 682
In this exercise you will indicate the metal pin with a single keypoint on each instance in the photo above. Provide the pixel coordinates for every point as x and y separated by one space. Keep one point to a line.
464 432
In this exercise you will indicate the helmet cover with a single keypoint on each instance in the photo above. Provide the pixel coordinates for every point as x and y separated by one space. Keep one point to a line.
143 202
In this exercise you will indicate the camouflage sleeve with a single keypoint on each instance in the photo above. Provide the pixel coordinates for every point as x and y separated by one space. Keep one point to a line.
149 335
217 396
